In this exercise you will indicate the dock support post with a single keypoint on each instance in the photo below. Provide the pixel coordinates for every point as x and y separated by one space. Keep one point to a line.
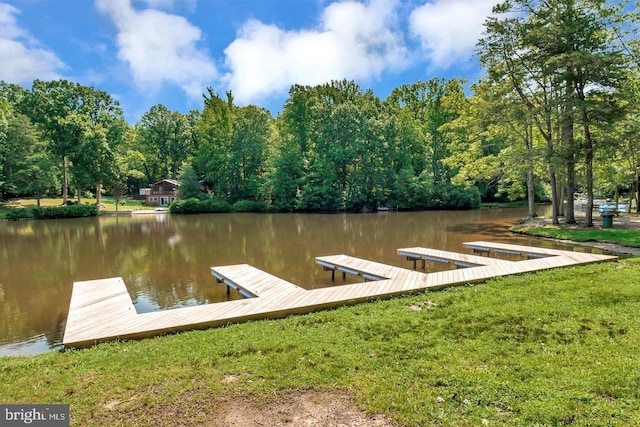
333 275
228 289
424 263
414 263
344 275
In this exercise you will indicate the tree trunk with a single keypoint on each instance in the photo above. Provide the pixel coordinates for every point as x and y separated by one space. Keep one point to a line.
98 191
554 198
568 142
570 217
636 193
531 194
79 194
589 172
561 192
65 181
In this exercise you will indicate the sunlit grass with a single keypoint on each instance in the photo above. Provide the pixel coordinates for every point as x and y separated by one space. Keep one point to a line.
553 348
611 235
107 204
26 203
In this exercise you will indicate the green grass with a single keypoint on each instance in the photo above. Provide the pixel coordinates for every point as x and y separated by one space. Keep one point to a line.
629 238
554 348
107 203
125 204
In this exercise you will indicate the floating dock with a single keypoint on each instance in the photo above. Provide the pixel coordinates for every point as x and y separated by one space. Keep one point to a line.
102 310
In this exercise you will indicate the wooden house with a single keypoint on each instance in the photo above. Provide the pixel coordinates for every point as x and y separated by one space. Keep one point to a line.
162 193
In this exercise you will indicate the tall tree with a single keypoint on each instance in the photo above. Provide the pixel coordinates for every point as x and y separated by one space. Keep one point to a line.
104 131
189 183
55 106
557 54
426 115
165 142
250 138
293 148
340 147
214 132
28 167
76 120
423 174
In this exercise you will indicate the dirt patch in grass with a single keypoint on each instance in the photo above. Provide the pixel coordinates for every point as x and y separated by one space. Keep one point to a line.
308 408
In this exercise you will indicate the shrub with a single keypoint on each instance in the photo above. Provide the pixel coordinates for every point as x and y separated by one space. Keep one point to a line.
18 213
71 211
194 205
249 206
191 205
217 205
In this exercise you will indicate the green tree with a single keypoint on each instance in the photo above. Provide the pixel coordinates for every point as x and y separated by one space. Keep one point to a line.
563 61
214 132
512 63
421 145
232 147
475 140
79 123
189 183
5 111
341 149
620 165
126 171
250 139
26 168
55 107
293 148
165 140
30 169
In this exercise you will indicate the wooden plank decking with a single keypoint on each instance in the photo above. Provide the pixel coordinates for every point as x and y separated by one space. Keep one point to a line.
458 259
102 310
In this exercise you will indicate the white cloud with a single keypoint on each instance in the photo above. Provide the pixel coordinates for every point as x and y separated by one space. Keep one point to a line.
22 57
160 47
354 40
449 29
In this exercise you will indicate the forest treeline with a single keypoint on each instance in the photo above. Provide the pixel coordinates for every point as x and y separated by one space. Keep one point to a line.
556 114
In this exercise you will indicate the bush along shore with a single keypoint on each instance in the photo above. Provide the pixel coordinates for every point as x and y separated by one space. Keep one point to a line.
52 212
557 347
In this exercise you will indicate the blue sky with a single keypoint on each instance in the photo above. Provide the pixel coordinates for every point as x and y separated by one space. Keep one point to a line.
147 52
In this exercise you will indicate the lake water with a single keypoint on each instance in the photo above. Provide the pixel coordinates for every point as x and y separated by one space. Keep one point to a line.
165 259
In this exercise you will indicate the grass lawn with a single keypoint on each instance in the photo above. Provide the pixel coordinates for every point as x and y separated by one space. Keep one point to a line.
107 203
624 237
553 348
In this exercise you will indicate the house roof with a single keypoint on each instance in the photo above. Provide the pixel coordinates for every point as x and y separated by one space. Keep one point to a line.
170 181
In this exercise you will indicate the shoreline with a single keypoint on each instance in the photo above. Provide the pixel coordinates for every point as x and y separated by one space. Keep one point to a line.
627 221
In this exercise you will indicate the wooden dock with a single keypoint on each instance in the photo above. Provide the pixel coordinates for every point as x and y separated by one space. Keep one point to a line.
102 310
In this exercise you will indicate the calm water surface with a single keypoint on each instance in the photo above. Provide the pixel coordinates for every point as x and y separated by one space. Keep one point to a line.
165 259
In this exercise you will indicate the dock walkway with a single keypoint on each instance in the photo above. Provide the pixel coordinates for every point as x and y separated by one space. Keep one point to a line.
102 310
455 258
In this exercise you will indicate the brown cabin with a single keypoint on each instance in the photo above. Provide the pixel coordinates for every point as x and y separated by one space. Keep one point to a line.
162 193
